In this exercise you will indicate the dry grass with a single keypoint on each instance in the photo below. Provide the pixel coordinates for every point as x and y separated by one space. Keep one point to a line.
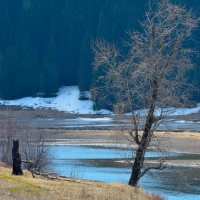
178 134
25 187
114 133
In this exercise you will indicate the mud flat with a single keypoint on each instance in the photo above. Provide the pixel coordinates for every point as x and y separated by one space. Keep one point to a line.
187 142
174 141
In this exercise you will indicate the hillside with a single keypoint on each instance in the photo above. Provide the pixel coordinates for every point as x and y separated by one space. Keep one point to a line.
47 44
26 187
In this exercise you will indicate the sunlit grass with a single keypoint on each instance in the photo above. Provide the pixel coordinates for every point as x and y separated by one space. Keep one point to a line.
26 187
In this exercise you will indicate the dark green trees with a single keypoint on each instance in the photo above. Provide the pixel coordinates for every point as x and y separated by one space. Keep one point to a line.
46 44
85 62
49 72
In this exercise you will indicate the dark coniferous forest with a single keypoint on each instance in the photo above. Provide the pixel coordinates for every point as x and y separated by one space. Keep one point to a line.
45 44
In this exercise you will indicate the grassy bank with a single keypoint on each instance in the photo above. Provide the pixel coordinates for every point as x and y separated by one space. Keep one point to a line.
26 187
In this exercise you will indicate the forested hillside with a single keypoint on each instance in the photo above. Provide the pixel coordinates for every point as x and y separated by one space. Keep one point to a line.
45 44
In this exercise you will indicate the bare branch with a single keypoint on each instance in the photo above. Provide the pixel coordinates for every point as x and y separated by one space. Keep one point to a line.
160 166
151 76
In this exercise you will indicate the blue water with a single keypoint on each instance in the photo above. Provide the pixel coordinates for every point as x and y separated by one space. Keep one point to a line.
87 152
102 164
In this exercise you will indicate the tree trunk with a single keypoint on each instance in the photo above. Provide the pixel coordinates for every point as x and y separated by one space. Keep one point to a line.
140 153
16 159
146 139
137 166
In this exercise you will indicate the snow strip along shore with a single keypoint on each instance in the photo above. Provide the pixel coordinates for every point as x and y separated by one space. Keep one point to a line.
67 100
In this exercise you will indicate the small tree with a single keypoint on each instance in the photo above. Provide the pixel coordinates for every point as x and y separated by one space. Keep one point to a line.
34 151
151 75
9 131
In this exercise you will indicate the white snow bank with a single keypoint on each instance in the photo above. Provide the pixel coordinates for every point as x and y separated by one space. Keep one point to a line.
169 111
179 111
104 119
186 111
67 100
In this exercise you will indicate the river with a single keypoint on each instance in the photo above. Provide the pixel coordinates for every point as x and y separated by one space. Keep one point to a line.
107 165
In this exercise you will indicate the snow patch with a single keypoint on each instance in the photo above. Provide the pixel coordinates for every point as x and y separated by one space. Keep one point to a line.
186 111
67 100
104 119
169 111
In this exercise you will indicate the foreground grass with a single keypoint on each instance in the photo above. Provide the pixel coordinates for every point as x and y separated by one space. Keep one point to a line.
26 187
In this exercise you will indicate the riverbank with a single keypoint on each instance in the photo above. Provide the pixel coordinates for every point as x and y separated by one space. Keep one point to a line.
42 121
54 127
26 187
178 141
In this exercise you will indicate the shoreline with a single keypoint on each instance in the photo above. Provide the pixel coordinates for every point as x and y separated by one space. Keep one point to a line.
27 187
183 142
177 163
186 142
194 164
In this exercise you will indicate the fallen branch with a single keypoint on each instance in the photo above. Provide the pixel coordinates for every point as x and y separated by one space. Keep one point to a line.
31 167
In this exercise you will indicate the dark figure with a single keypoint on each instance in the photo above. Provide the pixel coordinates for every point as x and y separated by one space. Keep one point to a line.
16 159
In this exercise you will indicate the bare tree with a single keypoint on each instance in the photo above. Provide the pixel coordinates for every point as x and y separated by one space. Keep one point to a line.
35 152
33 149
9 131
152 74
